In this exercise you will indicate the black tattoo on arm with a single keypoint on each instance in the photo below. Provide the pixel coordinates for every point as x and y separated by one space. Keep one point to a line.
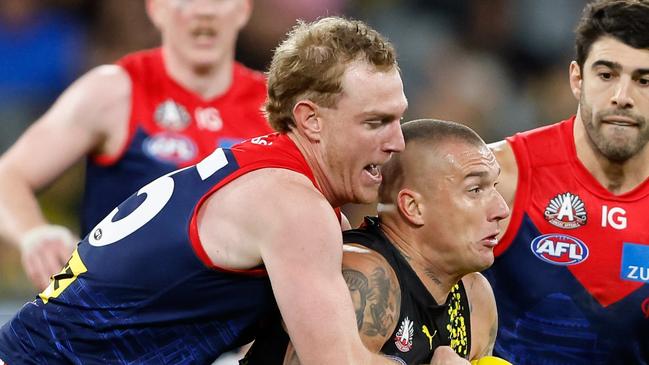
359 290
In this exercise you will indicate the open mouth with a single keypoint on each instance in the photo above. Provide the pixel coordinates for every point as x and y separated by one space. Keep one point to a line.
374 170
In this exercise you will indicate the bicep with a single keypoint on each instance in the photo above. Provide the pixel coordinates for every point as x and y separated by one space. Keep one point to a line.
484 315
376 296
303 261
65 133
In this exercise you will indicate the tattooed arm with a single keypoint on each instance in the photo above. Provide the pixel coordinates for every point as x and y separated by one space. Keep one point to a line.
484 316
376 294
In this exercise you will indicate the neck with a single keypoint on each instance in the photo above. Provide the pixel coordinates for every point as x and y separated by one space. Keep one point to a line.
438 281
315 160
617 177
208 81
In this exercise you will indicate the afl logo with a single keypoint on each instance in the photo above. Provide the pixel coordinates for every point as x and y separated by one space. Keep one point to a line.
559 249
566 211
170 147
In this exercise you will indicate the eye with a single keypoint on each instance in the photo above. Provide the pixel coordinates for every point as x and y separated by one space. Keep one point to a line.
605 76
643 81
475 190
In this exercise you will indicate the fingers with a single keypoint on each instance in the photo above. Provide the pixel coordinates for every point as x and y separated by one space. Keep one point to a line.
44 252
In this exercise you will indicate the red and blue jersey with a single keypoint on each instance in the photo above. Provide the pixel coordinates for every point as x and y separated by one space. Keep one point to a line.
140 289
571 275
170 127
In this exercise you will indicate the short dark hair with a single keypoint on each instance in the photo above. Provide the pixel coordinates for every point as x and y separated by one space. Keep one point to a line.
432 133
624 20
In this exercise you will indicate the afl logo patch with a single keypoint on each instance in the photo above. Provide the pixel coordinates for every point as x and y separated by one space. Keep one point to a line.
566 211
171 115
559 249
170 147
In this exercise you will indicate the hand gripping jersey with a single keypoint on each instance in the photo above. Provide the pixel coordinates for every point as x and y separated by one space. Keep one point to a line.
423 324
140 289
170 127
571 272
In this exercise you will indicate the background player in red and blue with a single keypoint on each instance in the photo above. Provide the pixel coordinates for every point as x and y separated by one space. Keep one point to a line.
151 113
571 276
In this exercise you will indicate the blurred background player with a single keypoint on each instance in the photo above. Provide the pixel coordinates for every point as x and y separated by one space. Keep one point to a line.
571 275
413 272
150 113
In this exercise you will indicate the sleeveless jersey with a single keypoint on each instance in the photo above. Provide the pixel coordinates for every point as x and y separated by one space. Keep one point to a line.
169 127
141 289
423 324
571 272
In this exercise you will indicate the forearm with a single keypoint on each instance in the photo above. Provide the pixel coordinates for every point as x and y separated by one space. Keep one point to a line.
19 210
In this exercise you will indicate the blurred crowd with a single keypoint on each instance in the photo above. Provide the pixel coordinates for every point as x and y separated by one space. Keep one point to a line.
499 66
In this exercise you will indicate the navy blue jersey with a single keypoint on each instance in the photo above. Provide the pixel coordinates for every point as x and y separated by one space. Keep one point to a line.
571 273
140 288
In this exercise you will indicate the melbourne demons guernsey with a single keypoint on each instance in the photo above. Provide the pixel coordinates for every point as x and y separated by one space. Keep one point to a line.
423 324
170 127
140 289
571 272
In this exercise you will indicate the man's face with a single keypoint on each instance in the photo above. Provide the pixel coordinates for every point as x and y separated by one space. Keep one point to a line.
614 98
360 133
201 33
461 207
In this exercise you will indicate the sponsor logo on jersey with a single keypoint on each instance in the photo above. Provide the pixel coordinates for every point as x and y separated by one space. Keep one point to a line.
566 211
635 262
559 249
208 118
426 332
403 337
170 147
171 115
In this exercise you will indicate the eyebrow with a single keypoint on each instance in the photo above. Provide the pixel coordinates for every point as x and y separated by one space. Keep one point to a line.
618 67
480 174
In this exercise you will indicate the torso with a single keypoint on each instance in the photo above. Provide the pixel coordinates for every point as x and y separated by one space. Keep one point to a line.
571 272
140 288
169 127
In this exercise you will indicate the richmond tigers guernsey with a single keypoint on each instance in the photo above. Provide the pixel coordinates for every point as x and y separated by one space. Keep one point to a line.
423 324
170 127
140 288
571 272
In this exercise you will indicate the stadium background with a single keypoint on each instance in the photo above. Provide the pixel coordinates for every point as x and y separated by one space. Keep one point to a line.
500 66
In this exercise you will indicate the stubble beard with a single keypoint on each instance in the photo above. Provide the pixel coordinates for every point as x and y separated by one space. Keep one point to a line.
613 149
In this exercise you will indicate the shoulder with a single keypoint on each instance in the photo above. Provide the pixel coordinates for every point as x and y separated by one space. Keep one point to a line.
478 288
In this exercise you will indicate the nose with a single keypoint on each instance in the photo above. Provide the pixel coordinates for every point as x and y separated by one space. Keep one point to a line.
499 210
203 7
395 142
622 97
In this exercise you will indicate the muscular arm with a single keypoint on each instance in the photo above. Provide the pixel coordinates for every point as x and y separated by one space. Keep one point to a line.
297 236
376 296
484 316
508 180
89 115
